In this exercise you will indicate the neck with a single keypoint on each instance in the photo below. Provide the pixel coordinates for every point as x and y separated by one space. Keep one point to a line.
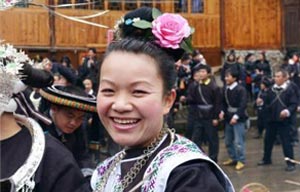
8 126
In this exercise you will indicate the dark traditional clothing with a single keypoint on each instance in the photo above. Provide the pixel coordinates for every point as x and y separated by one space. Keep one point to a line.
168 169
234 106
280 98
76 142
56 170
206 97
235 103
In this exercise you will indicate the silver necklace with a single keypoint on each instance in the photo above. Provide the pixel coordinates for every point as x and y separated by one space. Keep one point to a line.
134 170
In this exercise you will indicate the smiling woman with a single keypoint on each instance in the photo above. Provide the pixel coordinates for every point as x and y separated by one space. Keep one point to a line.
136 91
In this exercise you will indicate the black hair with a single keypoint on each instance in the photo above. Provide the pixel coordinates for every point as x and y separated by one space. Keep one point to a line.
248 56
165 63
268 82
92 49
233 72
195 53
231 53
200 66
186 56
144 13
67 60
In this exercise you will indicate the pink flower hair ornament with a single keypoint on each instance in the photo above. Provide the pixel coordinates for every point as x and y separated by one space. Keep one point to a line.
169 30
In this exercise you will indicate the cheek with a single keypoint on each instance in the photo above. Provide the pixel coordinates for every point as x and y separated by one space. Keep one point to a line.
151 108
103 105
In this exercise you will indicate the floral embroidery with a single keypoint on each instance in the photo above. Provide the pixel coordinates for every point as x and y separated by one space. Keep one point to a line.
180 146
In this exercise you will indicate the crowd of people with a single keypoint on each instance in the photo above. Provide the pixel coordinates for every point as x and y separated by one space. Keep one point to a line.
129 100
247 84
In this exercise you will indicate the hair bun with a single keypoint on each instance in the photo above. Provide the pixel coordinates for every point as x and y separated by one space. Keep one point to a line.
149 24
128 30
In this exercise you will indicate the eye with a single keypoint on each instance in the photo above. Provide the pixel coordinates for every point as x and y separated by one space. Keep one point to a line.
139 93
107 92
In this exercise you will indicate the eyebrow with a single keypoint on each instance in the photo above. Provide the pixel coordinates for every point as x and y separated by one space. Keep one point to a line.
133 84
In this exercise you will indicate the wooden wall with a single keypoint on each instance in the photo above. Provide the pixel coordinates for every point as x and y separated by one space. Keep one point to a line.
73 34
22 26
252 24
246 24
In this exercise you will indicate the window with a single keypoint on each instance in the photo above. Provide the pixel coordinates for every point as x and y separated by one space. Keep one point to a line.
182 6
130 4
146 3
114 5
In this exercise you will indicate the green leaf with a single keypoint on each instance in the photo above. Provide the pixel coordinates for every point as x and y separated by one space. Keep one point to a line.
186 45
156 13
142 24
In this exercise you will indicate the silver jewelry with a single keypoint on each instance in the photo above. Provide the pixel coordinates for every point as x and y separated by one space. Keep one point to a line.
135 169
23 178
11 65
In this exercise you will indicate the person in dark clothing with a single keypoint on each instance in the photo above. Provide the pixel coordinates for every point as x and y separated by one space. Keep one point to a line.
231 62
281 103
263 65
57 169
250 72
262 113
234 114
132 103
206 96
292 66
184 74
69 105
90 67
191 107
30 160
197 58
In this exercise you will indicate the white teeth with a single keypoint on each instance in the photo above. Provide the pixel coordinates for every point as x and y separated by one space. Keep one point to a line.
125 121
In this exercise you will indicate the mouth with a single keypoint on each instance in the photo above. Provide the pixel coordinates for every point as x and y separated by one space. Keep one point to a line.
125 123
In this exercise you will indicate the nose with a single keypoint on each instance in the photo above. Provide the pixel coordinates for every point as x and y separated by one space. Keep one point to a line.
76 122
122 104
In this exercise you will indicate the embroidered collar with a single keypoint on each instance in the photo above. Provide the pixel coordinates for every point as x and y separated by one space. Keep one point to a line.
232 86
23 178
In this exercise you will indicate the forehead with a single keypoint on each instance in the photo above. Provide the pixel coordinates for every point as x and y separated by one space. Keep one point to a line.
127 63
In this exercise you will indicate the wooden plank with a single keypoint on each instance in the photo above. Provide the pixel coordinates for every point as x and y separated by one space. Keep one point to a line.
252 24
20 26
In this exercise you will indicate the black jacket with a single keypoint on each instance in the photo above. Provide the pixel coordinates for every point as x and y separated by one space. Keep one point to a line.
237 98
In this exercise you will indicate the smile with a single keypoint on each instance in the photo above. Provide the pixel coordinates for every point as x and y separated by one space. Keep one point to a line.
125 121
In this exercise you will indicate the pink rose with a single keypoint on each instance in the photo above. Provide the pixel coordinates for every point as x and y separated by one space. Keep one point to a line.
170 30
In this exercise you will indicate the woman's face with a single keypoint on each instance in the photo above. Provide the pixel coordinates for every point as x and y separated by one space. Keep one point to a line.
130 101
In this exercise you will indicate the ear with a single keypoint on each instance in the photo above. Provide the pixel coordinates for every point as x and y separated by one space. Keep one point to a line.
169 100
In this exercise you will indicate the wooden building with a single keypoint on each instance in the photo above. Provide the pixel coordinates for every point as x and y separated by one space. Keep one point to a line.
220 25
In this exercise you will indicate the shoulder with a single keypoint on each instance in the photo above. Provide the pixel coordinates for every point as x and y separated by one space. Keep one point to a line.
205 177
184 164
241 88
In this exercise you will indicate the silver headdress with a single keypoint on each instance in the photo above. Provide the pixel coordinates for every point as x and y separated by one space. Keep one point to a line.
11 63
6 4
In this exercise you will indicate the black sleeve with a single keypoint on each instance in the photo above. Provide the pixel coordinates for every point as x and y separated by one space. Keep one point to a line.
59 171
36 77
195 176
242 102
